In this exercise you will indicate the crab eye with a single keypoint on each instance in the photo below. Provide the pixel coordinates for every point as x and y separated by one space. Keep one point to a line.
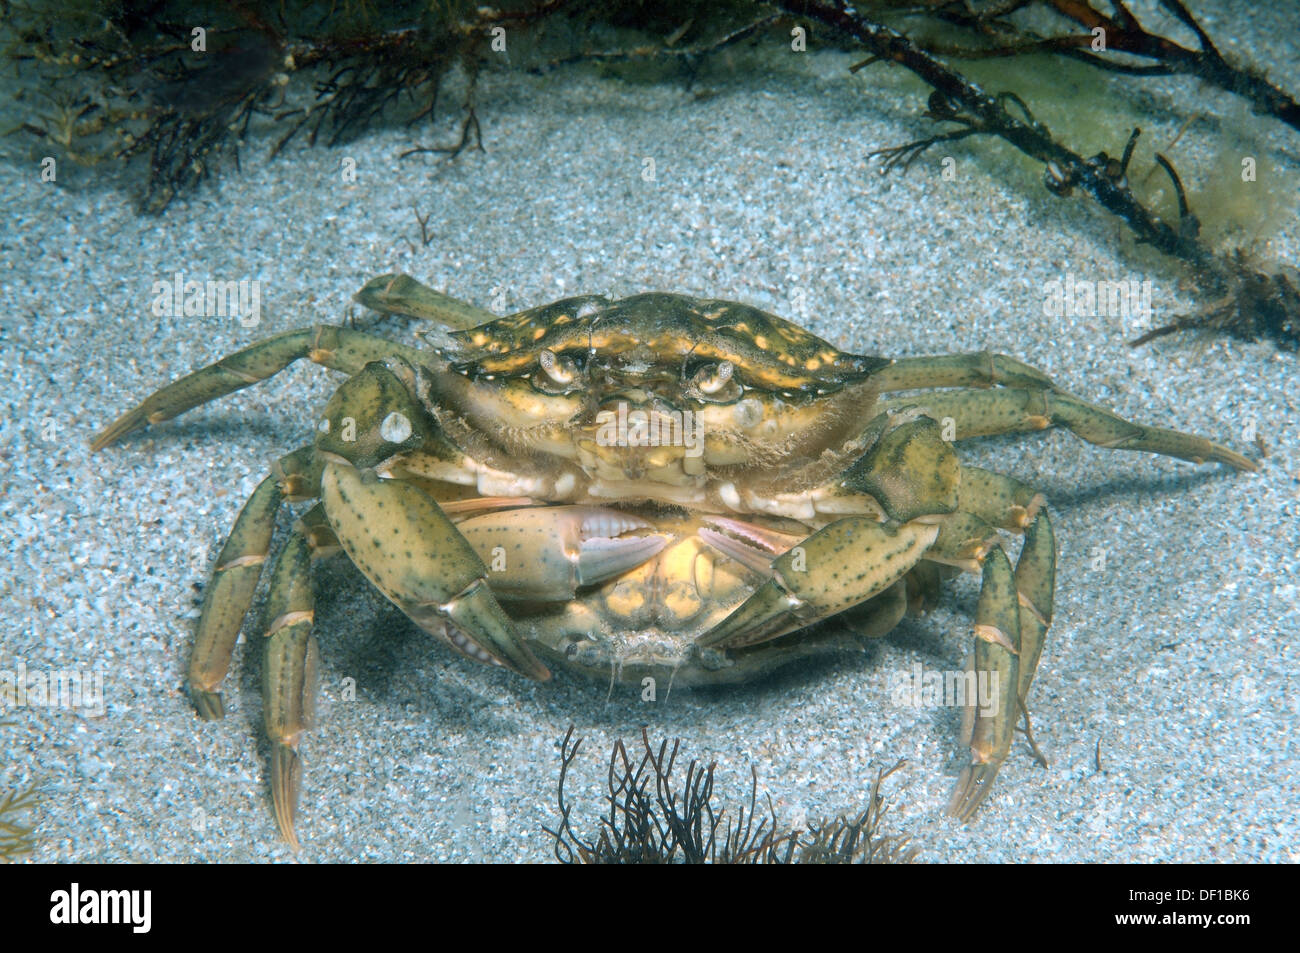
713 377
557 373
715 383
558 369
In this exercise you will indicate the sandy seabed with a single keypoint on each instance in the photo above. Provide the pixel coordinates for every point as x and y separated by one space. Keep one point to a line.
1175 649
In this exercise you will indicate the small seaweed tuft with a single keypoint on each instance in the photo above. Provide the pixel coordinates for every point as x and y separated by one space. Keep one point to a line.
856 839
652 818
16 838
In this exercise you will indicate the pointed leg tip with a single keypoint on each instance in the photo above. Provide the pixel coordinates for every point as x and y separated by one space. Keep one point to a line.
286 783
972 788
289 834
528 666
208 705
114 432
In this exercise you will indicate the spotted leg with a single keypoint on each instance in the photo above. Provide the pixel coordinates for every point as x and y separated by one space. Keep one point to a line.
999 500
1035 591
1033 402
993 677
986 502
981 413
976 369
341 349
289 677
1011 620
234 578
402 294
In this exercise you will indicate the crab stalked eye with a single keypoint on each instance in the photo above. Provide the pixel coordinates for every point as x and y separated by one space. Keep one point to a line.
556 373
711 378
558 369
715 383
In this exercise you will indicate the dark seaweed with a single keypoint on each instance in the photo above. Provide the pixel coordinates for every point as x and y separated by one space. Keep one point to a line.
653 818
16 838
1246 302
119 81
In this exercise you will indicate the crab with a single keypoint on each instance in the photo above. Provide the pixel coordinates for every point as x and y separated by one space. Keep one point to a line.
654 486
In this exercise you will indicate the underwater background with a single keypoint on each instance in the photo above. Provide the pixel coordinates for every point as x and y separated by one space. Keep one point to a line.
1167 697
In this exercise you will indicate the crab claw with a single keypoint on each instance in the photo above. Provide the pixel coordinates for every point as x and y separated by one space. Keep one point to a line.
750 545
548 552
397 535
839 566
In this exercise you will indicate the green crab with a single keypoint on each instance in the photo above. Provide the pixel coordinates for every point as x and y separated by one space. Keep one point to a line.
660 485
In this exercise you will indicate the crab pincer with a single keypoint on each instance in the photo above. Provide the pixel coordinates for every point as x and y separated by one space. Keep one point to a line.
400 539
550 552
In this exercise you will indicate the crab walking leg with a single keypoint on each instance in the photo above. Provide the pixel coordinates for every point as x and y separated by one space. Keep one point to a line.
998 499
985 500
836 567
1035 588
229 594
982 413
994 677
964 540
886 611
986 503
976 369
234 579
399 537
289 677
316 528
924 584
402 294
340 349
